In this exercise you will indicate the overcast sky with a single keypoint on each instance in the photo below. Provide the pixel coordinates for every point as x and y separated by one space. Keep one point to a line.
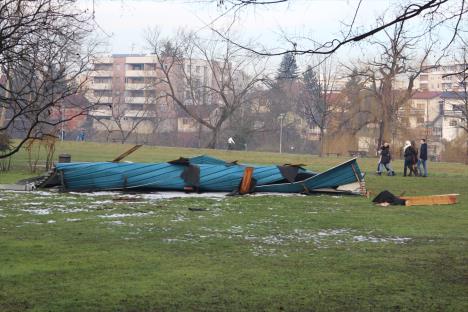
123 21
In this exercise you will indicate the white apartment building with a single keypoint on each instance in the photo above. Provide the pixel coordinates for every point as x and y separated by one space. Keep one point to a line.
440 78
435 116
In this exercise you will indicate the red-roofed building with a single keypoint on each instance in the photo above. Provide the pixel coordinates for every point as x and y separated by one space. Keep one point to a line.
432 115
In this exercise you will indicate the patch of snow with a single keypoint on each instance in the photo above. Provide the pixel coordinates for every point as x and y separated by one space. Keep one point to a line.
123 215
331 232
276 194
41 212
117 222
170 195
102 202
180 218
373 239
72 220
174 240
94 194
72 210
51 221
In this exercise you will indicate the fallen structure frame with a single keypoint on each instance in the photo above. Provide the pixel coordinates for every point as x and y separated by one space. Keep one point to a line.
203 174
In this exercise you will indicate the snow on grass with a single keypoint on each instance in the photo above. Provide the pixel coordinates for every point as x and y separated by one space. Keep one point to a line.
116 222
72 219
39 211
124 215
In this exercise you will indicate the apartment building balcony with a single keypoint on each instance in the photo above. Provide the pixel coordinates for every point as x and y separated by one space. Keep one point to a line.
136 86
135 73
150 73
411 111
101 86
136 100
101 73
101 113
453 113
99 99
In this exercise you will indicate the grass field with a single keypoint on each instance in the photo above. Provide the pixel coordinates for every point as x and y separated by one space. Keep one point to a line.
139 252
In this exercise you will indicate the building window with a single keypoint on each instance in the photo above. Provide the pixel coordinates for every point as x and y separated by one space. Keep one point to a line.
420 106
135 66
150 80
457 108
102 93
405 120
453 123
446 86
102 80
150 66
134 93
102 66
131 80
420 120
136 106
150 93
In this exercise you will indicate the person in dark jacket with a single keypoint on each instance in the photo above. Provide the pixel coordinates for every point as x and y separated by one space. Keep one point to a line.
415 158
423 158
409 153
385 159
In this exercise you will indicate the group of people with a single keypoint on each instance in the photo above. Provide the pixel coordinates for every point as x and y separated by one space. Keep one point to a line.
414 159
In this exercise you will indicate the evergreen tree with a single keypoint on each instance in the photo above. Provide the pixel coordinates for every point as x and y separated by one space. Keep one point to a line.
288 67
315 106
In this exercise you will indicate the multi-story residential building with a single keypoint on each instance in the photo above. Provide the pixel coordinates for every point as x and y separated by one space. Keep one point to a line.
440 78
131 94
435 116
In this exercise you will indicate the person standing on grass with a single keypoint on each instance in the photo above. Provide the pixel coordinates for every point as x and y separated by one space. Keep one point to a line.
408 154
386 159
231 143
423 158
415 158
379 163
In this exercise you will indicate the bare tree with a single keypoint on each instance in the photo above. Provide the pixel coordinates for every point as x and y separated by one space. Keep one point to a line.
208 80
432 14
461 96
43 61
315 102
127 118
382 72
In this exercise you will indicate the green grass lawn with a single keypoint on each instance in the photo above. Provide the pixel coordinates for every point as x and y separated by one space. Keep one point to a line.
132 252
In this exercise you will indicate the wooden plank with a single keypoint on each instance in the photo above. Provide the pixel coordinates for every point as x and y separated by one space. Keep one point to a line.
128 152
444 199
246 181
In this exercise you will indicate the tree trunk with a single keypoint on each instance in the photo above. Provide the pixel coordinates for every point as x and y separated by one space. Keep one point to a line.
322 142
381 134
466 155
214 138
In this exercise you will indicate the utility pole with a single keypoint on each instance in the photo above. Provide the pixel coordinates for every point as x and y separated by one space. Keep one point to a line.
281 116
4 105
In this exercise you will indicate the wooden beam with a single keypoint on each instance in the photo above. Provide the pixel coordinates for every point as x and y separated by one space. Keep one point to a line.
246 181
128 152
445 199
